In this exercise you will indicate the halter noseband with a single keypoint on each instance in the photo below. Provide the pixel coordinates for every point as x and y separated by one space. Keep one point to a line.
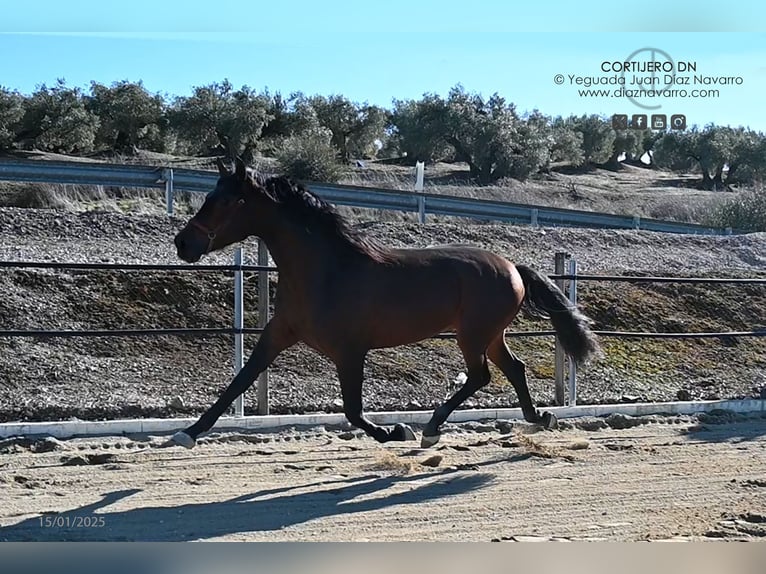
211 234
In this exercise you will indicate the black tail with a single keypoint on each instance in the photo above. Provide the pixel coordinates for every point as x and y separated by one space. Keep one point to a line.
545 299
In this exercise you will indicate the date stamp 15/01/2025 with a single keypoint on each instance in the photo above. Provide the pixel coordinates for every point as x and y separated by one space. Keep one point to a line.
71 521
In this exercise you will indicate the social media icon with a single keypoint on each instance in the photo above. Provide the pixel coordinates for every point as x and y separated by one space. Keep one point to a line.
678 122
638 121
620 121
659 121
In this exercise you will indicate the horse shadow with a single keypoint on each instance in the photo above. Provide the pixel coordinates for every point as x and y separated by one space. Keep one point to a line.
727 426
266 510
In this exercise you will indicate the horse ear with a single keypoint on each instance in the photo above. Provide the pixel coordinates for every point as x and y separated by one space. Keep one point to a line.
222 169
240 169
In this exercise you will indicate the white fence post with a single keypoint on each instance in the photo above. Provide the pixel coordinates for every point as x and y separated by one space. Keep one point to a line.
263 318
419 174
534 213
167 175
239 322
560 356
572 364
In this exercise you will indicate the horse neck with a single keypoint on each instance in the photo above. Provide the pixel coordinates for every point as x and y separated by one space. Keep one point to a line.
299 254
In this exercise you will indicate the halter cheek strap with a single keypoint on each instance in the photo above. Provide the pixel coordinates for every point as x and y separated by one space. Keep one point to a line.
210 234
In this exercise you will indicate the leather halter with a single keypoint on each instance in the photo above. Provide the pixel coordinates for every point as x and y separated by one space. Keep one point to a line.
212 233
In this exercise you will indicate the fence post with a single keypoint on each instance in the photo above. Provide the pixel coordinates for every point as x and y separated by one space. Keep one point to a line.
167 175
239 322
534 213
263 318
560 356
637 222
419 173
572 364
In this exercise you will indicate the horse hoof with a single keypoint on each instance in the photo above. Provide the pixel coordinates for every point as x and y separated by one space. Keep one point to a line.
403 432
428 441
183 439
549 421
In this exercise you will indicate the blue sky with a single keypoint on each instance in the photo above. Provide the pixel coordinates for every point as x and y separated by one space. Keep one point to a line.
375 52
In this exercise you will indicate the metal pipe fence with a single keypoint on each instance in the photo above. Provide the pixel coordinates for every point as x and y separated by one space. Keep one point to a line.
568 282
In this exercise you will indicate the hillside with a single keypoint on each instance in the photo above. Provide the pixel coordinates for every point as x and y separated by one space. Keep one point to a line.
630 191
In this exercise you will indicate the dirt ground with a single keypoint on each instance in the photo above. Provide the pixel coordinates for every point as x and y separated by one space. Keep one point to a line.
619 478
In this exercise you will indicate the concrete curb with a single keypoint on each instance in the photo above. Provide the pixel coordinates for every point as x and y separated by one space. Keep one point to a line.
77 428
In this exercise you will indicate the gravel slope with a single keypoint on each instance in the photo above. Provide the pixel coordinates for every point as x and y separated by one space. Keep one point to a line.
96 377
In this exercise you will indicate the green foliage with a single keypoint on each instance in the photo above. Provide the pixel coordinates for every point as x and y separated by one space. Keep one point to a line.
130 117
598 138
722 155
418 129
218 114
534 146
486 133
354 127
491 137
745 211
743 151
57 119
674 150
310 156
11 113
567 146
287 116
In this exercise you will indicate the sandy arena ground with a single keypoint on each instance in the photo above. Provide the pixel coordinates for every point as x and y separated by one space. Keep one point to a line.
652 478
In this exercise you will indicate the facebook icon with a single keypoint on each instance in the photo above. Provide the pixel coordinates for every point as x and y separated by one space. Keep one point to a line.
638 121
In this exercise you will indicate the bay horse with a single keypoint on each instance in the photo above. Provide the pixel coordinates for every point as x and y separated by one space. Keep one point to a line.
343 294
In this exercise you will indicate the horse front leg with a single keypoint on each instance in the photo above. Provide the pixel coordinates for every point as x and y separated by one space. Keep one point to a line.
351 375
276 337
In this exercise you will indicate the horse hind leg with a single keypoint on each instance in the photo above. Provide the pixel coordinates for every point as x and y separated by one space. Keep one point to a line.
514 370
478 377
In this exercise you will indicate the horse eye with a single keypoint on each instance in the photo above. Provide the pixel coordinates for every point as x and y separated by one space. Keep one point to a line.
241 201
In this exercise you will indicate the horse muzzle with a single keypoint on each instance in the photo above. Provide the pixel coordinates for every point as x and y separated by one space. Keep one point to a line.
190 247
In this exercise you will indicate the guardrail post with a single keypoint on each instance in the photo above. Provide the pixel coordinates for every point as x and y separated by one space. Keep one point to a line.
167 175
636 222
534 213
263 319
419 174
239 323
572 364
560 356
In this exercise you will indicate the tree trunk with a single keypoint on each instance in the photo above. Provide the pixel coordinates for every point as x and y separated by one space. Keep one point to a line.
730 179
707 181
463 155
613 164
485 174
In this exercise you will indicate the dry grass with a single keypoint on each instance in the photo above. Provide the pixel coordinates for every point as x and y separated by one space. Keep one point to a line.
631 191
389 462
69 197
535 448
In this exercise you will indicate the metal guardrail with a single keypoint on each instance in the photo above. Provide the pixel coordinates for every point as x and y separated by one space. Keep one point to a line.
174 179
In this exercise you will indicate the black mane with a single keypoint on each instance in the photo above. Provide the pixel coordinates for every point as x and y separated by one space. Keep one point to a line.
310 211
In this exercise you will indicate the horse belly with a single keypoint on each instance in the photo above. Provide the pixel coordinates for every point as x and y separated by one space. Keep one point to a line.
404 318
